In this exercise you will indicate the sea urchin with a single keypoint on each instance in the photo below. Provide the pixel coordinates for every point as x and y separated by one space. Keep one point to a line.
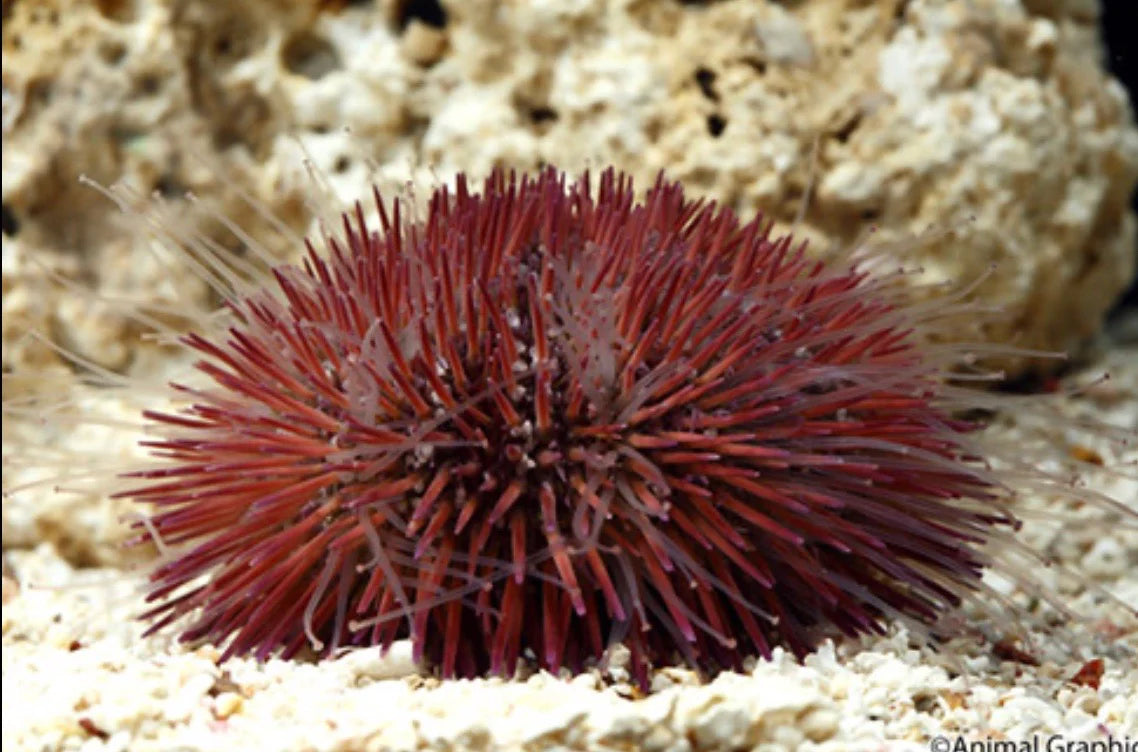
546 418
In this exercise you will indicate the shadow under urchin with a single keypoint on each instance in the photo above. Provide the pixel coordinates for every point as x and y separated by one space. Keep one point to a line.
548 418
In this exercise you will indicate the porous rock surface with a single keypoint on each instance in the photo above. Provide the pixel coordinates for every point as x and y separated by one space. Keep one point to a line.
989 120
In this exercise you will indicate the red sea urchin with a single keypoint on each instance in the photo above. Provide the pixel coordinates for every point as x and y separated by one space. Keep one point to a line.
546 420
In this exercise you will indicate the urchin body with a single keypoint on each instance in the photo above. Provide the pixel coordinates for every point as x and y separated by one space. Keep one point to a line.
546 419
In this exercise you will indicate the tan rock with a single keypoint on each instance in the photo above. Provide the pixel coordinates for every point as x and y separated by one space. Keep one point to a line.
976 116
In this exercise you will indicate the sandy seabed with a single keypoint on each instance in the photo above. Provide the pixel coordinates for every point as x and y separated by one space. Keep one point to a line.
79 675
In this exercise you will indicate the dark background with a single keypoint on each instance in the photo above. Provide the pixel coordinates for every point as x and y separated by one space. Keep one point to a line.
1120 31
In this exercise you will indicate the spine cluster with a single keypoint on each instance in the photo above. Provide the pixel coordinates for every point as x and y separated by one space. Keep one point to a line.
546 418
